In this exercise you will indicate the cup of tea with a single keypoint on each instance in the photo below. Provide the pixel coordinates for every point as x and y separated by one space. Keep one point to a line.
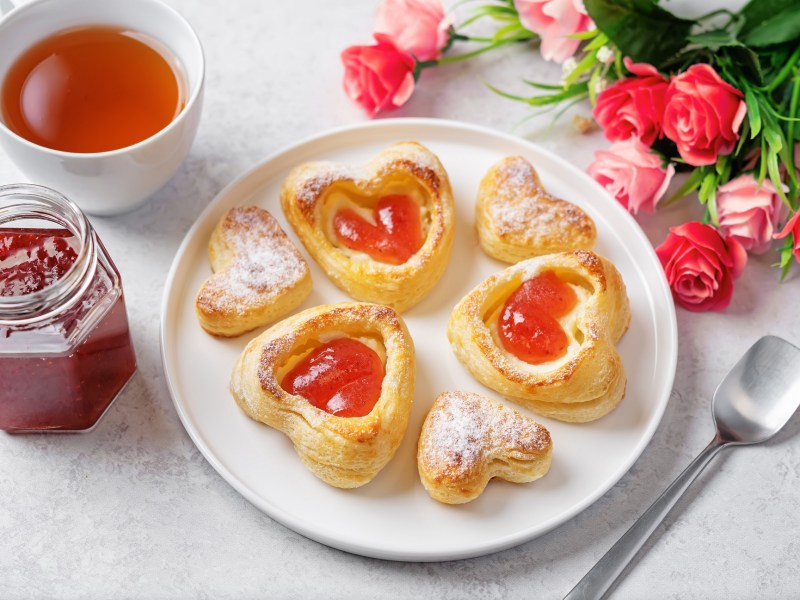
99 99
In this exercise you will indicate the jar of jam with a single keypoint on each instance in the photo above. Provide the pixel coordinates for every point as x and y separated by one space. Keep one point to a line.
65 347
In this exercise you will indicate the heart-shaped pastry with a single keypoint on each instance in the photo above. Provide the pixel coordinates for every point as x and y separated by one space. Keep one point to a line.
467 439
517 219
259 275
338 380
383 232
543 332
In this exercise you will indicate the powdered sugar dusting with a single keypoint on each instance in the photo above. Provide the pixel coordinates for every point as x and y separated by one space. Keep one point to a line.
266 263
324 175
462 428
520 206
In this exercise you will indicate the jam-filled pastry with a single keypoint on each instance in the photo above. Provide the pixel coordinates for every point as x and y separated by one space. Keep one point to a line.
517 219
338 380
467 439
543 332
383 232
259 276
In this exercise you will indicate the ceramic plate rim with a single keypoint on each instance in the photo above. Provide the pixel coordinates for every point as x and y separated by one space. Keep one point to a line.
298 524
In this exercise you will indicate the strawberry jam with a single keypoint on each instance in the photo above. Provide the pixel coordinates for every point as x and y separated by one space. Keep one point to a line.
528 324
65 345
33 259
394 238
342 377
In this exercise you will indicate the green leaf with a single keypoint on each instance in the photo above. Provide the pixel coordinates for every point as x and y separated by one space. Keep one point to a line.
640 28
753 113
714 38
747 61
769 22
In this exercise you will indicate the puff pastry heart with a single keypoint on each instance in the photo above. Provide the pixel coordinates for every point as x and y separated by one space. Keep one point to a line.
589 379
467 439
315 193
517 219
259 275
345 452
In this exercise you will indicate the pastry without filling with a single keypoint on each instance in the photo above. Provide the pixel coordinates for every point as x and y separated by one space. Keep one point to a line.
517 218
467 439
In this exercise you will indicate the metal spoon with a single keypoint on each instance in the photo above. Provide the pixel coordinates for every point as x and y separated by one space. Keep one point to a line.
753 402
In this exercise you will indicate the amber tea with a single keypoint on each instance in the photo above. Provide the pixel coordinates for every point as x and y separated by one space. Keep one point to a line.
92 89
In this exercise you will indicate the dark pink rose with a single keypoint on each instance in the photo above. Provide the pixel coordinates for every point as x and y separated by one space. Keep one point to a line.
554 20
632 174
749 212
792 227
701 265
417 26
703 115
634 106
378 77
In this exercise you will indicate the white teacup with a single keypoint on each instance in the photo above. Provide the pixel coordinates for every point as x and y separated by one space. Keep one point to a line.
117 181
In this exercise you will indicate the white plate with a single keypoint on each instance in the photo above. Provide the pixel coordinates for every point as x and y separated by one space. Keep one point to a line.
392 516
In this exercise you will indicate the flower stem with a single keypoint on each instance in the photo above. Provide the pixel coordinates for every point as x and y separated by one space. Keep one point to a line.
452 59
785 71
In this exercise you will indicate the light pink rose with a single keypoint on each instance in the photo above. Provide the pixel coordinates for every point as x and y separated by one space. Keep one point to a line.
703 115
793 228
417 26
701 265
632 174
634 106
553 20
749 213
378 77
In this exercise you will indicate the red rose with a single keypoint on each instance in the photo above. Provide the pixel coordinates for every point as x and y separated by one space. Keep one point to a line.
703 115
378 77
701 265
793 227
634 106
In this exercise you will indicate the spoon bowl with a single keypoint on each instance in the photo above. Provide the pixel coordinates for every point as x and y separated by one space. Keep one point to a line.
759 394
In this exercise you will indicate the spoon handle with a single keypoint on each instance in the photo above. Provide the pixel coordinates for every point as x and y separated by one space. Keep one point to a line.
601 577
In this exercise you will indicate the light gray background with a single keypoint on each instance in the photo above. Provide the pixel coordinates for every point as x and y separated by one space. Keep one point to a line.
133 509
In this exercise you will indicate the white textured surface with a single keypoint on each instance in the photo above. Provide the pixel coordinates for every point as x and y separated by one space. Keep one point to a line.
133 510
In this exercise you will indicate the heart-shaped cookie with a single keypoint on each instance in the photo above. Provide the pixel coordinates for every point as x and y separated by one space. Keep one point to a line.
382 232
259 275
270 383
586 378
467 439
517 219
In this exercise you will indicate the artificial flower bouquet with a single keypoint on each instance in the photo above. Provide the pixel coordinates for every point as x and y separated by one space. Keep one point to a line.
715 98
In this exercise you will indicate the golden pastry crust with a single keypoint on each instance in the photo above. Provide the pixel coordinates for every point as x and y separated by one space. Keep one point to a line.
259 275
586 383
517 219
345 452
313 192
467 439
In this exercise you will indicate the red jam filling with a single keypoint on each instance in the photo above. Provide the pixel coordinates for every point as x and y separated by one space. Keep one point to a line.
394 238
342 377
33 259
528 324
67 389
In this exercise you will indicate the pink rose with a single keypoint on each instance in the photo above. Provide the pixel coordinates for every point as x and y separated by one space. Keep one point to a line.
703 115
378 77
634 106
749 213
793 227
632 174
701 265
417 26
553 20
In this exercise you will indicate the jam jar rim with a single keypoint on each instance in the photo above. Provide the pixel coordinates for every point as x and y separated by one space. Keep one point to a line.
43 203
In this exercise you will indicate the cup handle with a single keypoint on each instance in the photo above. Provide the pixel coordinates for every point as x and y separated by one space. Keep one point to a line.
6 6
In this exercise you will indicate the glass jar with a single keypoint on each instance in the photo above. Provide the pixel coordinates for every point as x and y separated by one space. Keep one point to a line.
65 346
